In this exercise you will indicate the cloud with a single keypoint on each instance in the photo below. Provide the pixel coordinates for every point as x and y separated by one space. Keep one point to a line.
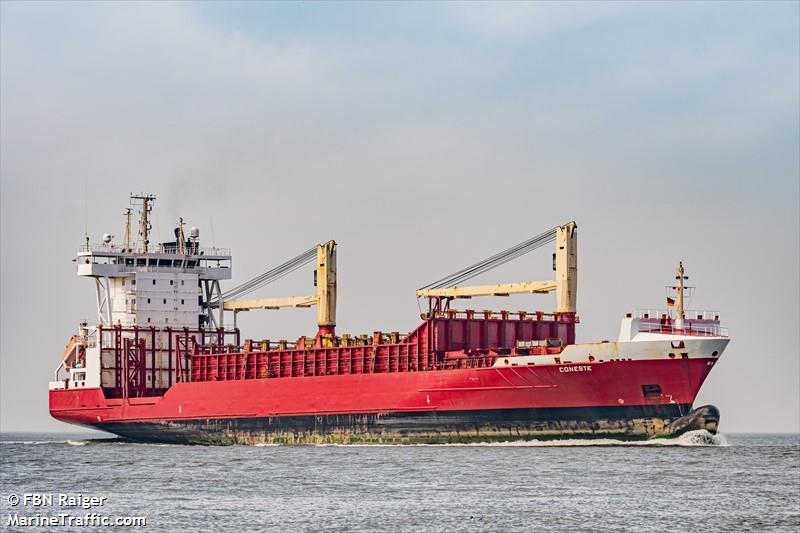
515 20
421 137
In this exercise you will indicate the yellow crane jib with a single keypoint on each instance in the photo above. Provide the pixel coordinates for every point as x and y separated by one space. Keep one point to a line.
270 303
501 289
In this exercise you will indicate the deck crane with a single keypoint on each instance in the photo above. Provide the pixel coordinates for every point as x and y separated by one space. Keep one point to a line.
324 298
565 264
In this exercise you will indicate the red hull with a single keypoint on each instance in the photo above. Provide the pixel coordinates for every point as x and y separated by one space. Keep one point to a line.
597 384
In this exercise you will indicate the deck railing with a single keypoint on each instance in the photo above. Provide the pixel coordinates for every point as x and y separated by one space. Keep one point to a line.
691 314
699 331
158 249
506 315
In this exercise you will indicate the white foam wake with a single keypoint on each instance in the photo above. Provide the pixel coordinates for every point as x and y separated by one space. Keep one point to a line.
690 438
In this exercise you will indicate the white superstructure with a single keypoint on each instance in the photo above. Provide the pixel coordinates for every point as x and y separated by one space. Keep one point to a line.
150 297
169 284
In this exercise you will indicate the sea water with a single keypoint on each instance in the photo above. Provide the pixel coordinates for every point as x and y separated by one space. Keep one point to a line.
697 482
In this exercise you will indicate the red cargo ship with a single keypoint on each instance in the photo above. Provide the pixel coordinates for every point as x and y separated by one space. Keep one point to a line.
161 366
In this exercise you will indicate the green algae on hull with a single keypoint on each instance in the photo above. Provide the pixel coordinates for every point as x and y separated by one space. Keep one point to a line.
357 440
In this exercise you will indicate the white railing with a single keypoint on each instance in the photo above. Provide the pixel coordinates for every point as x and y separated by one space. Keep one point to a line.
691 314
695 314
131 268
159 249
209 250
693 331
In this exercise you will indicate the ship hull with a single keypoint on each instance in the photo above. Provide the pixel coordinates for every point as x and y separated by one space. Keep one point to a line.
624 423
611 399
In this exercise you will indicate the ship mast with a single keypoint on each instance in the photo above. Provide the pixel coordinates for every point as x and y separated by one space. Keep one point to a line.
144 221
180 238
679 313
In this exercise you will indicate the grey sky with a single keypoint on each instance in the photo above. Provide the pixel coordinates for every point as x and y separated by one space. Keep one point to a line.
421 138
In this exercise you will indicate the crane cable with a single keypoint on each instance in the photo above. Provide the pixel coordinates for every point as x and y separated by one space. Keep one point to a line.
268 277
494 261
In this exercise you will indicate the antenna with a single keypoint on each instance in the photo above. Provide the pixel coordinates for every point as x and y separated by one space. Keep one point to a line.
86 211
180 238
211 225
127 244
144 220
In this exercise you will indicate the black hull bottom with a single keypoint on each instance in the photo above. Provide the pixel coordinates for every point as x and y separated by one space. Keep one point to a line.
432 427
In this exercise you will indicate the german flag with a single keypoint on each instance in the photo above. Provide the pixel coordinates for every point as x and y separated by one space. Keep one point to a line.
670 302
